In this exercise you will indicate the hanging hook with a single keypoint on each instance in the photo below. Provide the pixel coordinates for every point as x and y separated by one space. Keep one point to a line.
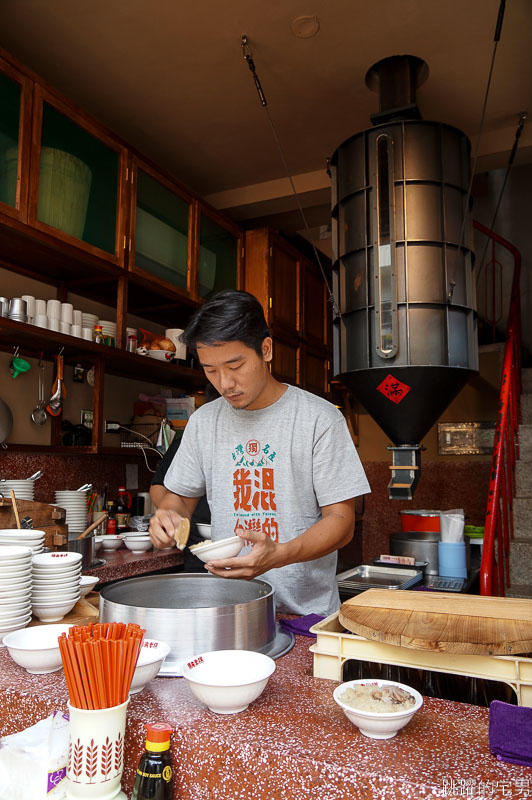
61 351
41 365
16 349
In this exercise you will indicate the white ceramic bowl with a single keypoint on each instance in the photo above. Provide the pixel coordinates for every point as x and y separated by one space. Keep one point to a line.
223 548
204 530
36 649
61 596
372 723
53 612
88 582
20 622
227 681
161 355
138 545
151 659
57 560
11 552
111 541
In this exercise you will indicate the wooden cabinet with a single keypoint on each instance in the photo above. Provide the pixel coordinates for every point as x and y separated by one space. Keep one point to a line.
15 134
294 296
84 212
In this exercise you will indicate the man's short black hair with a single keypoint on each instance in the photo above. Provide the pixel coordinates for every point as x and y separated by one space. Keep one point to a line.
229 316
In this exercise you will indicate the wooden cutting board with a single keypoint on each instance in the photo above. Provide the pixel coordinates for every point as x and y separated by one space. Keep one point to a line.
450 623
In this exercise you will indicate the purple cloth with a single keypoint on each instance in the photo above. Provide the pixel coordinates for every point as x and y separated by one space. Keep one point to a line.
510 733
301 625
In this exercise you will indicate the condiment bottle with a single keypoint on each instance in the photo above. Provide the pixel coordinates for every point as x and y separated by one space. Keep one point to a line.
154 772
98 335
132 343
123 504
111 525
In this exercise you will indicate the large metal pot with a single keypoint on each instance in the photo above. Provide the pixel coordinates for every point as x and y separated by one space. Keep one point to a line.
194 613
423 546
86 547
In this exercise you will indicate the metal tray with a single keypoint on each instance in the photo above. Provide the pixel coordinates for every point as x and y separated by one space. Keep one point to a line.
367 576
419 565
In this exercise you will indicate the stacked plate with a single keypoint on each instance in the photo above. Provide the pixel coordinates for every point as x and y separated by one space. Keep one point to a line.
24 490
75 505
15 588
34 540
108 327
88 320
56 584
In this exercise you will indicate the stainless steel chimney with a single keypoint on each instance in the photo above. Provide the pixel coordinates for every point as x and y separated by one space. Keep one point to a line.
406 340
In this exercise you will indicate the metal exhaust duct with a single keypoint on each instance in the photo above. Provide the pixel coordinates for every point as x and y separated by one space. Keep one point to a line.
406 340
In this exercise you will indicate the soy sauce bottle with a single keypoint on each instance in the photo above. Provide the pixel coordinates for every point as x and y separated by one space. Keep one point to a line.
154 772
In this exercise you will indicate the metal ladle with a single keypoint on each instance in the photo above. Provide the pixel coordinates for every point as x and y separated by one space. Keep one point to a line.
39 415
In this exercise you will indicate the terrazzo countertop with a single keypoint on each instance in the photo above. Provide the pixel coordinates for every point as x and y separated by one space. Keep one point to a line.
122 563
293 743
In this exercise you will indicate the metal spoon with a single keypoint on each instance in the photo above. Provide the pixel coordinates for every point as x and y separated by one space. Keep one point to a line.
35 476
38 415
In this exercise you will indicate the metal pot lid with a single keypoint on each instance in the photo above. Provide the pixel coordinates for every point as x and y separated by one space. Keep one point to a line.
421 513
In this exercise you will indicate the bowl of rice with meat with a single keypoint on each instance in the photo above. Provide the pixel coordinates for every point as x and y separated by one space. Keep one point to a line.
378 708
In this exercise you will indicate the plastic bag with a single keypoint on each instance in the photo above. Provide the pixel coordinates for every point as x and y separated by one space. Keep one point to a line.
452 525
33 762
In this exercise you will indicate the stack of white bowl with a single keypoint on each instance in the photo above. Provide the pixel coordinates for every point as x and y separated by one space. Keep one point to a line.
108 327
75 505
24 489
15 588
88 321
56 584
34 540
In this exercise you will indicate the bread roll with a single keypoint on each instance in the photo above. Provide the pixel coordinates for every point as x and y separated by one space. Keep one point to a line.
166 344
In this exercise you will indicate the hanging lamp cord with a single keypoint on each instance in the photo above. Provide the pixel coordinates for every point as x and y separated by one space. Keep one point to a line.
248 57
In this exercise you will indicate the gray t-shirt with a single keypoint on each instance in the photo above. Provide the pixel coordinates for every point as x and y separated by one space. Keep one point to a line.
272 470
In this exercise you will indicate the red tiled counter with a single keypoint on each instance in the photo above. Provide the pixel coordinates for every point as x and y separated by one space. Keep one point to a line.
123 563
293 743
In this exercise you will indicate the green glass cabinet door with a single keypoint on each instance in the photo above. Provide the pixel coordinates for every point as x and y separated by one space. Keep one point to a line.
162 220
218 257
15 98
79 181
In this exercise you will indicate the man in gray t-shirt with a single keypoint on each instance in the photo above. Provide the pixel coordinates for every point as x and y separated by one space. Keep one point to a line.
277 464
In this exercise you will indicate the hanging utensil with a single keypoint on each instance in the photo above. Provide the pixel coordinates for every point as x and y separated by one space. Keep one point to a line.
86 487
38 415
58 389
15 509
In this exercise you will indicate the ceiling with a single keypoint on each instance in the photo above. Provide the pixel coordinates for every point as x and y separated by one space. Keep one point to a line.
169 77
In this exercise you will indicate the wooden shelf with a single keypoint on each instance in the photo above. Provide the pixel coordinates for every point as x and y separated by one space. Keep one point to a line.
33 341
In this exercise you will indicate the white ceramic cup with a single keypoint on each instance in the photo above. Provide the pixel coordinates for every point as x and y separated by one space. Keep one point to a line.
77 318
40 308
30 304
173 334
65 327
53 309
66 312
53 323
76 331
86 333
41 320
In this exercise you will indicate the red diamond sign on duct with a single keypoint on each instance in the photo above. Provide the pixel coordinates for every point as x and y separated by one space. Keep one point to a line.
394 389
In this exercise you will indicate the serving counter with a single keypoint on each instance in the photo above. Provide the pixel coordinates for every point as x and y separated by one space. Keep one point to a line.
293 743
122 563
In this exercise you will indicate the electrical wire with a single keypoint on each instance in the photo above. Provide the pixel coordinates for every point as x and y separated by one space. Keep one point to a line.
142 447
496 39
248 57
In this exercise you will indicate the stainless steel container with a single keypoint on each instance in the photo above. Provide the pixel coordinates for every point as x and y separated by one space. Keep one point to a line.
423 546
86 547
194 613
